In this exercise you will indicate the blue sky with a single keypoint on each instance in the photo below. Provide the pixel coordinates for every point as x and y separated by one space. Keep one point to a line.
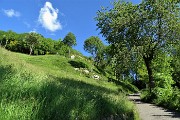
53 18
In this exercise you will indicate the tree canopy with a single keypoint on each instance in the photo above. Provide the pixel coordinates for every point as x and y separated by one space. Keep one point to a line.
93 45
141 30
70 39
32 40
96 48
32 43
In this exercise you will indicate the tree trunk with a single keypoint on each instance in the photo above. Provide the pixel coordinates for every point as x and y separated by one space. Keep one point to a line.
150 73
31 50
6 43
69 53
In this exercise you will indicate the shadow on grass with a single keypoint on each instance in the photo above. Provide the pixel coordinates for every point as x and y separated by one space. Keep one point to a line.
64 99
5 70
74 100
125 86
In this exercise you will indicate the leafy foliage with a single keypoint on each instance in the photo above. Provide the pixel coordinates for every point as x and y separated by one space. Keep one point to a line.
70 39
144 41
78 64
35 44
95 47
32 40
175 63
143 29
164 97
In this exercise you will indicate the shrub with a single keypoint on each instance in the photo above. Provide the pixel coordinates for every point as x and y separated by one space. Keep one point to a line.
78 64
174 101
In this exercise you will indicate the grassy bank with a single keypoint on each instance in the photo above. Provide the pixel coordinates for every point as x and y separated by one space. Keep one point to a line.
48 87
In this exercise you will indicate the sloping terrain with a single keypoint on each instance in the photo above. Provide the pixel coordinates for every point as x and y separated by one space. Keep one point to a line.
48 87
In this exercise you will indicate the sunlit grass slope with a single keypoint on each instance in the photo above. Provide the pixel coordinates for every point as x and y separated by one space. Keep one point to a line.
48 88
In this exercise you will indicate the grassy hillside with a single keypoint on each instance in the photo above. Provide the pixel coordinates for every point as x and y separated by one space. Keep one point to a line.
48 87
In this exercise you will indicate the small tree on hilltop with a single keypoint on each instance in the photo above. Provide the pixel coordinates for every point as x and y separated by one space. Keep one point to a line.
70 40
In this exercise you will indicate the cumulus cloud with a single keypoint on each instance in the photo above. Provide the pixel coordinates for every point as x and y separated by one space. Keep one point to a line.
11 13
48 18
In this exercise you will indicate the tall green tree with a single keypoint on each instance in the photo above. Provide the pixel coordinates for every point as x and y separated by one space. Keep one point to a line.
70 39
8 37
143 29
176 64
2 37
32 41
95 47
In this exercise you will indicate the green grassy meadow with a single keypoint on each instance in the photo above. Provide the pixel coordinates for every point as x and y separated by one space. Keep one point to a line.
48 88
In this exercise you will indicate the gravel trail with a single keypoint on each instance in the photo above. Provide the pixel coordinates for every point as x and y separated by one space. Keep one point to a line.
151 112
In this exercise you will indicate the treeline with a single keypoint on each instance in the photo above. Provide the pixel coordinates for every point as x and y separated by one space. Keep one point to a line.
36 44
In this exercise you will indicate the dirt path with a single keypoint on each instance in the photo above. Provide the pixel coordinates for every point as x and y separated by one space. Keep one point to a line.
151 112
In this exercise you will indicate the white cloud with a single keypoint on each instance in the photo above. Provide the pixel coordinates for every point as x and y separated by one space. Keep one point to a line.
48 17
11 13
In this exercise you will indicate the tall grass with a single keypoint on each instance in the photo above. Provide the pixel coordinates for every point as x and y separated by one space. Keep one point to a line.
30 91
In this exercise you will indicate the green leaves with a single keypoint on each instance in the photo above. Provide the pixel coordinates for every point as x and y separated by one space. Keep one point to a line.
144 28
96 48
35 44
70 39
93 45
32 40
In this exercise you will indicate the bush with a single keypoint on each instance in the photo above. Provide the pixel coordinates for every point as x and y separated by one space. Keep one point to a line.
163 97
146 96
163 94
78 64
174 101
